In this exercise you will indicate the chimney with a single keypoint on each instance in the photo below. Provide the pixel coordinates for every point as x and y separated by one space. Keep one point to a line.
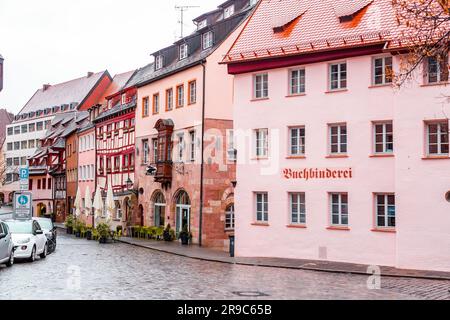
45 87
90 74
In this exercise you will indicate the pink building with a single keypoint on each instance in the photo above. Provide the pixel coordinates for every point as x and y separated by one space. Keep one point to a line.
184 112
333 162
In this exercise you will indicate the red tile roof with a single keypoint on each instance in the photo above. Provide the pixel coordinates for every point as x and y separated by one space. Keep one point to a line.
312 25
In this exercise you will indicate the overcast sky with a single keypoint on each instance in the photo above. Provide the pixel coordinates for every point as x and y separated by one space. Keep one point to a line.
52 41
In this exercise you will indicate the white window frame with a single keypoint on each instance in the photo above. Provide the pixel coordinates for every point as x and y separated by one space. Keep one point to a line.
385 79
180 150
264 212
261 142
439 134
301 141
230 145
192 91
260 86
228 11
340 213
384 134
207 40
159 62
155 149
145 151
300 86
229 218
299 198
385 214
203 23
339 76
438 73
339 142
192 145
183 51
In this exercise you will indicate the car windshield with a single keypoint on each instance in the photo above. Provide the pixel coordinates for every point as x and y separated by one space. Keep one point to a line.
20 226
46 224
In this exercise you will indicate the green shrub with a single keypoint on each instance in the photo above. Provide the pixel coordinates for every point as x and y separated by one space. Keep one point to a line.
104 230
69 221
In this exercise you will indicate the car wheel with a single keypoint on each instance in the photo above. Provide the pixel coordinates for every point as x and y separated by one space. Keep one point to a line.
44 253
33 254
11 260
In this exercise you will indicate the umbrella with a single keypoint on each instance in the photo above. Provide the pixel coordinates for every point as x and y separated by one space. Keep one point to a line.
88 201
110 204
78 203
98 202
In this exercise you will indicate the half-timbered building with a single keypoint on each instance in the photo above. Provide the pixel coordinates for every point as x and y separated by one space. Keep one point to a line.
115 152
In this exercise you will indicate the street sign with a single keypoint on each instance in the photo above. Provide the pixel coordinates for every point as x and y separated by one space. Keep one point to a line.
23 208
24 175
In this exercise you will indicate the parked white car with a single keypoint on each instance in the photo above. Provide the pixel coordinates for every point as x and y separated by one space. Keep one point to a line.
28 238
6 246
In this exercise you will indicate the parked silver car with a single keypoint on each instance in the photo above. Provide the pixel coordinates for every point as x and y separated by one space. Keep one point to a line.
6 245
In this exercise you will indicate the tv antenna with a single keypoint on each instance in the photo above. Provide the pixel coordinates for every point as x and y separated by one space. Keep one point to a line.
182 9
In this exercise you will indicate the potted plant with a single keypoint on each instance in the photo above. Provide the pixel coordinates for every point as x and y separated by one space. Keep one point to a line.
89 233
69 224
77 228
185 235
168 234
104 232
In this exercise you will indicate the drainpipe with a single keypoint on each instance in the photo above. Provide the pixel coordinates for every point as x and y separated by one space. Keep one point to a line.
95 170
200 228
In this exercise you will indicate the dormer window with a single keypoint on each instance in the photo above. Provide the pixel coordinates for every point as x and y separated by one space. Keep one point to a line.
158 62
253 2
228 12
202 24
183 51
124 98
207 40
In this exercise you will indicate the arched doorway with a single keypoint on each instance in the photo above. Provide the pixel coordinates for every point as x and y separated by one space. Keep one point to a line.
159 209
41 209
11 197
127 207
2 198
183 211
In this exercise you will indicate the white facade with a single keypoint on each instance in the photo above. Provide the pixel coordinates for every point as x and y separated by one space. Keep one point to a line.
22 140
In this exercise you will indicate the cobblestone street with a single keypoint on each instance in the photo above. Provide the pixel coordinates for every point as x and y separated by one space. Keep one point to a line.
81 269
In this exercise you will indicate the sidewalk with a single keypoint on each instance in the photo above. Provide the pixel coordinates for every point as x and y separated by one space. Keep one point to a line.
196 252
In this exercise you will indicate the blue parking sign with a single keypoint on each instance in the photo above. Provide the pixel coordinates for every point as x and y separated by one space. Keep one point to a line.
24 173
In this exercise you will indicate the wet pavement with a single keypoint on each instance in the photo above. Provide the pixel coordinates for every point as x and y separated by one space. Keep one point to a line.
85 270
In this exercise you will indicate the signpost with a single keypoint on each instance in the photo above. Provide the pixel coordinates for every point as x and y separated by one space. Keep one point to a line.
23 209
24 174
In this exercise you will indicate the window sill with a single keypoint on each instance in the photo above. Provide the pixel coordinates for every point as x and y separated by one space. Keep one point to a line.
384 85
296 157
382 155
441 83
260 224
296 226
258 99
436 157
179 107
338 228
296 95
336 91
383 230
336 156
260 158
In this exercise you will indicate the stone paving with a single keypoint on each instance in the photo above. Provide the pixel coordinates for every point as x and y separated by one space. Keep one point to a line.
81 269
